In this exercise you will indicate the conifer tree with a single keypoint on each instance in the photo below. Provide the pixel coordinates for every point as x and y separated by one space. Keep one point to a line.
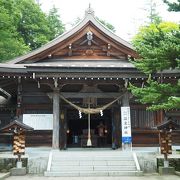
173 6
159 48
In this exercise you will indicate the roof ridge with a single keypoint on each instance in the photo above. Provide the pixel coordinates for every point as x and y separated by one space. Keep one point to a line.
89 17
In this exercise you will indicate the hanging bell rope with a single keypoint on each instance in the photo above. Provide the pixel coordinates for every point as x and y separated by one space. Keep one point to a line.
89 142
90 110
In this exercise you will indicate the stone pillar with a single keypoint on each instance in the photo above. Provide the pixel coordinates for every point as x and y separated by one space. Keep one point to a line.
55 138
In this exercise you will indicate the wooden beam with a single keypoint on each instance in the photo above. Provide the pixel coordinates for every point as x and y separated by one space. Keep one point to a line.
55 138
85 95
93 95
77 94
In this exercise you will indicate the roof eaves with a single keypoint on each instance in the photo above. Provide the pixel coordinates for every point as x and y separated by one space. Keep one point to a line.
88 17
50 44
109 33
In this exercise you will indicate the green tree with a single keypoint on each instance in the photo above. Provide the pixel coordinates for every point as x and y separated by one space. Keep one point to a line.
106 24
11 43
159 48
33 24
55 24
174 6
153 15
24 26
76 21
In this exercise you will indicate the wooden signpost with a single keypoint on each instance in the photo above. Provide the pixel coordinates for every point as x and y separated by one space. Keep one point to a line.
19 144
165 140
166 144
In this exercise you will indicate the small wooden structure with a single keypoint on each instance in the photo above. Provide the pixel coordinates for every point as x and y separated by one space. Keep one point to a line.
18 130
165 138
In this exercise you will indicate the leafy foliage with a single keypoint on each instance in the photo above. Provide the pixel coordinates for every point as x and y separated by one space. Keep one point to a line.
153 15
159 49
55 24
32 25
24 26
158 95
174 6
11 43
106 24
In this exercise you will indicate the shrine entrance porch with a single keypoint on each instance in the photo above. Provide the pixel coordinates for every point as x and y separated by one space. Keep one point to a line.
100 130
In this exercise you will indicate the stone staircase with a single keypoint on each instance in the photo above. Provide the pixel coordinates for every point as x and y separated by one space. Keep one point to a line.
92 163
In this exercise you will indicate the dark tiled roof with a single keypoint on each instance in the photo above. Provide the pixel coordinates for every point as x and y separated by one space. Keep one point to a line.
89 18
17 123
84 63
167 124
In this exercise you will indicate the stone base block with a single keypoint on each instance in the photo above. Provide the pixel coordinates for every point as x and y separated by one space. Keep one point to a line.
4 175
166 170
18 171
177 173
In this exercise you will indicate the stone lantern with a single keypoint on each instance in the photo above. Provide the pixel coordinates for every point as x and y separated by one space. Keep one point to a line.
18 130
165 140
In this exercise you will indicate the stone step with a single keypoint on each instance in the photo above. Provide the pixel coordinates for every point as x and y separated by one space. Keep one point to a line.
92 168
4 175
111 163
89 153
87 163
124 163
117 158
92 173
95 155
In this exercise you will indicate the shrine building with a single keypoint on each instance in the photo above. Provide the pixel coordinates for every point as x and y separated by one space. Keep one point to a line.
74 85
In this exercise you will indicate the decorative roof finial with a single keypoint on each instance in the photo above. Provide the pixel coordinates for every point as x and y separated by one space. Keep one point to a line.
89 11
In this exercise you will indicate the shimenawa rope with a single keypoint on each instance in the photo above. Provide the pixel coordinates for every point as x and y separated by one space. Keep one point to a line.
90 110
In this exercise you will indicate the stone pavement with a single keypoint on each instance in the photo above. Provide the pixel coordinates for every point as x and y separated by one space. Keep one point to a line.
149 176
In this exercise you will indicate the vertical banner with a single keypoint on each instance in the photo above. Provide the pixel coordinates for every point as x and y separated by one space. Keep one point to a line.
126 125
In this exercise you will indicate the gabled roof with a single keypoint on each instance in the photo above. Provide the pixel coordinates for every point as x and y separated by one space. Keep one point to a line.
88 20
18 124
168 124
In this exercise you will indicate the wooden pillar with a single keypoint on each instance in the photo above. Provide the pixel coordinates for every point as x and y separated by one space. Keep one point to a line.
63 129
116 128
19 99
125 99
126 123
55 138
159 117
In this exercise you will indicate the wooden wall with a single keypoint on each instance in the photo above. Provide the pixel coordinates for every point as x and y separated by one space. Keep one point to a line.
176 137
141 138
39 138
145 138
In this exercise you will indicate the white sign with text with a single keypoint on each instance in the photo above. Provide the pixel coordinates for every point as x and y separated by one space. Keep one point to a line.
39 121
126 125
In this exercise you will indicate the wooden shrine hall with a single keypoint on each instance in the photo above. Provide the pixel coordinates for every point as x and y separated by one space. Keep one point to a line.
75 86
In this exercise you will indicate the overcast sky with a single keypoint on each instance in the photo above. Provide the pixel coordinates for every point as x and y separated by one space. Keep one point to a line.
125 15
